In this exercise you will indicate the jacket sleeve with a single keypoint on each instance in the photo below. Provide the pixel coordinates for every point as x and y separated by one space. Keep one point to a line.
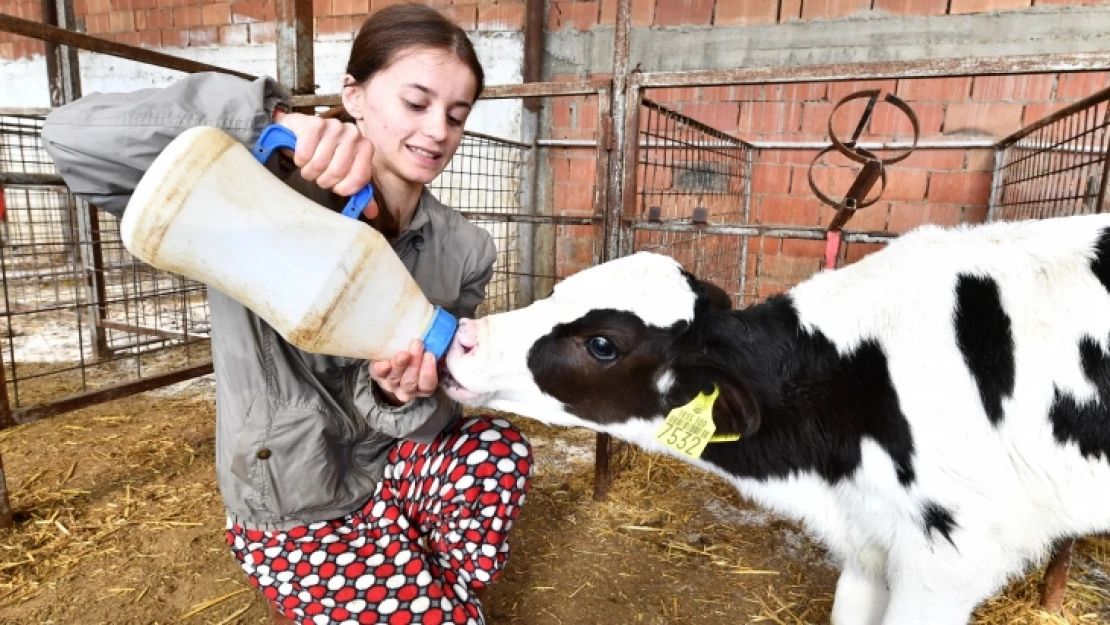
102 144
422 419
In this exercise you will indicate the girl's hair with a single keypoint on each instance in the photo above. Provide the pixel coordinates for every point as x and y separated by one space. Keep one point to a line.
399 27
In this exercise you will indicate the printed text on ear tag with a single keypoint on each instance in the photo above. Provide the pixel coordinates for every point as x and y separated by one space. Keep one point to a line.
688 429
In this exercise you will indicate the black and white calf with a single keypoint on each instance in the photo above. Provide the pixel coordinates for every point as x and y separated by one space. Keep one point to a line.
938 414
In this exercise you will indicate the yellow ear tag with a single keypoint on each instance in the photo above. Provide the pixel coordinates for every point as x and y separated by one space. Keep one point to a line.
688 429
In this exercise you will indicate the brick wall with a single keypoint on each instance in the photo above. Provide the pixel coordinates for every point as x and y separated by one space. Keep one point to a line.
209 23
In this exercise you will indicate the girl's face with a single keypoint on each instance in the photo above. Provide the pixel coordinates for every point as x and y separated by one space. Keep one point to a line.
413 112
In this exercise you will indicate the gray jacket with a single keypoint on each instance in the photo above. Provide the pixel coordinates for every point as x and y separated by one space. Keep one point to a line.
300 437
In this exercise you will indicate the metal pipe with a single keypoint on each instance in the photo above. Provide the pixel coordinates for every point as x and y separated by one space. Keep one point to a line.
492 92
295 69
811 234
43 32
928 68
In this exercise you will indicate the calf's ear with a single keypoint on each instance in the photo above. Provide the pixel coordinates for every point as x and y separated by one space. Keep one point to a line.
735 410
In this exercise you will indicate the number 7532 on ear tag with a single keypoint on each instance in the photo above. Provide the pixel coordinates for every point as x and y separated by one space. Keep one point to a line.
688 429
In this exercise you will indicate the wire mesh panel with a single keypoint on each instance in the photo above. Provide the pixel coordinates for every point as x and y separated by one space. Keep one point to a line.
484 181
689 173
78 311
1057 166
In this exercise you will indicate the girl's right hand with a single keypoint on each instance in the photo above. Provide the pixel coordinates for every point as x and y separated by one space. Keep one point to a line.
333 154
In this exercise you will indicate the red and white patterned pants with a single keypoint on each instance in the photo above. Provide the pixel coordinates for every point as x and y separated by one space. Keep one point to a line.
435 530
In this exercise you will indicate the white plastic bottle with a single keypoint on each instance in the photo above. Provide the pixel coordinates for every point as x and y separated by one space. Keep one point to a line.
208 210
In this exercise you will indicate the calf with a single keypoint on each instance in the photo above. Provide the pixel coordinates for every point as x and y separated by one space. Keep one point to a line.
937 414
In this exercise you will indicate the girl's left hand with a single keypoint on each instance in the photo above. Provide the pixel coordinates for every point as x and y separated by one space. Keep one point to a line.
406 376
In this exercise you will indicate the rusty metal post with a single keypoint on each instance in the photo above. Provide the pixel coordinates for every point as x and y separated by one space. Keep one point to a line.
532 72
619 109
6 520
1056 577
996 183
92 261
6 421
62 62
295 69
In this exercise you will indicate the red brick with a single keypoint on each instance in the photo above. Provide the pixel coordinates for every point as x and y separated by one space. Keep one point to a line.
905 184
678 12
130 39
980 160
320 8
887 120
770 178
795 157
833 181
187 17
80 7
142 5
159 18
573 197
335 28
668 95
121 21
769 117
1035 111
815 118
830 9
790 10
907 216
97 7
933 160
788 270
97 24
234 35
579 15
7 50
803 248
1074 2
350 7
983 6
838 90
912 7
217 14
942 89
1081 85
719 115
854 252
800 92
963 188
1026 87
151 38
203 37
997 119
263 32
789 210
501 17
175 37
643 12
246 11
746 12
466 16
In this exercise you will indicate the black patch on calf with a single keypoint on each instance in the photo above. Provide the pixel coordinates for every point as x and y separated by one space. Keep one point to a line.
938 518
985 337
816 406
1086 424
1100 265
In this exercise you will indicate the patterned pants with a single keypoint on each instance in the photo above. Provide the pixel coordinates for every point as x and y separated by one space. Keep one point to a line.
435 530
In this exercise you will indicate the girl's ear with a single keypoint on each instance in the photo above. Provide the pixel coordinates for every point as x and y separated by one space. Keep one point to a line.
352 97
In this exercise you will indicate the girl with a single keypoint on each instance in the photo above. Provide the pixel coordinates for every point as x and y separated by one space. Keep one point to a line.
355 492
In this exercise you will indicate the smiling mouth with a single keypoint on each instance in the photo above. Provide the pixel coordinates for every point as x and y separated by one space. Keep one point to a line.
421 152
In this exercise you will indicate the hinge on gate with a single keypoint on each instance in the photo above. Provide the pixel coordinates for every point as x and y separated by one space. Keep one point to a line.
607 135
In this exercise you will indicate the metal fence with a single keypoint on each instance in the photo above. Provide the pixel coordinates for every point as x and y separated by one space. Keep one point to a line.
1056 166
689 173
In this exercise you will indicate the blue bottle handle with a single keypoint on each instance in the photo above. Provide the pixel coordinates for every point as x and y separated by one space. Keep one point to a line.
275 137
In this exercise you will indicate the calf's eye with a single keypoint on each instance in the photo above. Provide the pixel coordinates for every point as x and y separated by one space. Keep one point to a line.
601 348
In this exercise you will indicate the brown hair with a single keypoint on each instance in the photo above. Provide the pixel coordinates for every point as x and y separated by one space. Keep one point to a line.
401 26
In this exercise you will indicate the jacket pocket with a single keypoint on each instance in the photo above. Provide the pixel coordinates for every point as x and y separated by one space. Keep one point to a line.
303 463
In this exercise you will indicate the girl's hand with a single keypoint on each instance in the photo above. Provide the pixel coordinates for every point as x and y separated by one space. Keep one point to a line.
407 375
333 154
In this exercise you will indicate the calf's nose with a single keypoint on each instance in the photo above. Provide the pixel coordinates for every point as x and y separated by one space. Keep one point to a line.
466 338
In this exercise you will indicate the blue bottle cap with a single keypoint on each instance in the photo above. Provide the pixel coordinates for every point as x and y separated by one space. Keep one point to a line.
438 337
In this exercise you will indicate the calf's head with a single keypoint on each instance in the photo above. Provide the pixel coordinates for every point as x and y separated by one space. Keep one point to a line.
614 349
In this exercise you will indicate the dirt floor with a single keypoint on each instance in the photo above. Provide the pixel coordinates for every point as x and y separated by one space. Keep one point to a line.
119 521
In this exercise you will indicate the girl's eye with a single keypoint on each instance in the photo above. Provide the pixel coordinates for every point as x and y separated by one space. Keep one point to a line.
412 106
453 121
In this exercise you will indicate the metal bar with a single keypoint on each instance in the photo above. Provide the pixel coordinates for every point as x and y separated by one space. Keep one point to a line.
531 73
294 46
62 62
36 30
1056 577
928 68
25 111
92 263
109 393
6 520
689 121
996 184
532 219
812 234
39 180
1101 206
6 420
969 144
145 330
1090 100
492 92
